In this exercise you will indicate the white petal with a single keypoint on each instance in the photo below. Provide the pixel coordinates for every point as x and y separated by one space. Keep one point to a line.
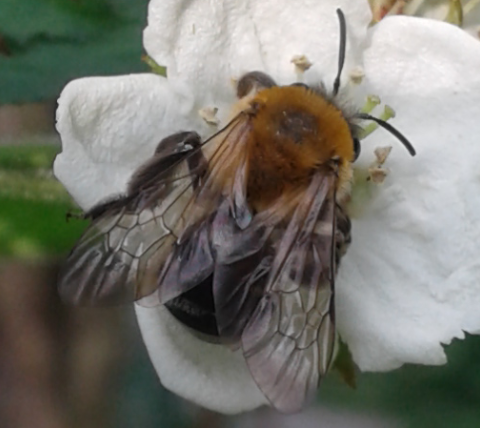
411 279
210 375
209 43
111 125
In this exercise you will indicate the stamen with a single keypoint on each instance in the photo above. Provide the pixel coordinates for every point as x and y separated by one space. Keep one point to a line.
209 115
455 13
381 154
356 75
388 113
377 174
397 8
372 102
413 6
301 63
469 6
154 67
383 123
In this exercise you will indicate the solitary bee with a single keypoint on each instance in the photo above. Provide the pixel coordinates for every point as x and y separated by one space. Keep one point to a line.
239 236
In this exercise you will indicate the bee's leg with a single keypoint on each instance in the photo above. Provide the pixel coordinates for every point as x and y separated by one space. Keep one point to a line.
169 152
179 142
183 142
253 82
76 215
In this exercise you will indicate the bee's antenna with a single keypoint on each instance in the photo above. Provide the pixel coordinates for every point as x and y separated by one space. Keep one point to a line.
341 53
390 129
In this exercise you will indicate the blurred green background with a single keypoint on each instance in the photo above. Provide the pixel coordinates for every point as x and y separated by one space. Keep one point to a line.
70 367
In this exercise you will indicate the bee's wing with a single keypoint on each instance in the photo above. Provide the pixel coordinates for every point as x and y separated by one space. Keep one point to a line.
193 257
289 339
118 257
273 288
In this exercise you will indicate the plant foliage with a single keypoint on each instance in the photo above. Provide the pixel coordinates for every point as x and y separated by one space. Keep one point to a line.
46 43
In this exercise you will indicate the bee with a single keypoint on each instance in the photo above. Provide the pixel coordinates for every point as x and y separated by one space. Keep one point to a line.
239 236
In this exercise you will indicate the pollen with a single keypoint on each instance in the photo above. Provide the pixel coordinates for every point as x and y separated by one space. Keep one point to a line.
377 174
209 115
382 153
301 63
356 75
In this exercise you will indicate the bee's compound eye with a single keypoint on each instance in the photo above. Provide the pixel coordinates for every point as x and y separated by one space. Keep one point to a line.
356 148
253 82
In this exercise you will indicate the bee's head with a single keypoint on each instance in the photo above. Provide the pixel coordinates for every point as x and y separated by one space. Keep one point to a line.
309 116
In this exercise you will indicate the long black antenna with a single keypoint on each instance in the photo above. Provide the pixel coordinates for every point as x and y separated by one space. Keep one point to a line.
341 54
390 129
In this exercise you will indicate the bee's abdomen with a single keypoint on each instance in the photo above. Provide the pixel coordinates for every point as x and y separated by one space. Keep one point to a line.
195 309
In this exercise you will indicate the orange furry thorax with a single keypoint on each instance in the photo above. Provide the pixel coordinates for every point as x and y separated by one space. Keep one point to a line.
294 132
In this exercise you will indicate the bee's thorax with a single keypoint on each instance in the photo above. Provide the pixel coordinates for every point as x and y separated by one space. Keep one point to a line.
295 132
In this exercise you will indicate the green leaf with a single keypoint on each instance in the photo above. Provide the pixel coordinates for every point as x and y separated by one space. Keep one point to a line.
27 158
42 72
53 41
33 204
34 228
22 20
154 67
136 10
345 366
418 396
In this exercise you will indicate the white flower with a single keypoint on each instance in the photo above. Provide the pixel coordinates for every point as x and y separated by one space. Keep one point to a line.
411 279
